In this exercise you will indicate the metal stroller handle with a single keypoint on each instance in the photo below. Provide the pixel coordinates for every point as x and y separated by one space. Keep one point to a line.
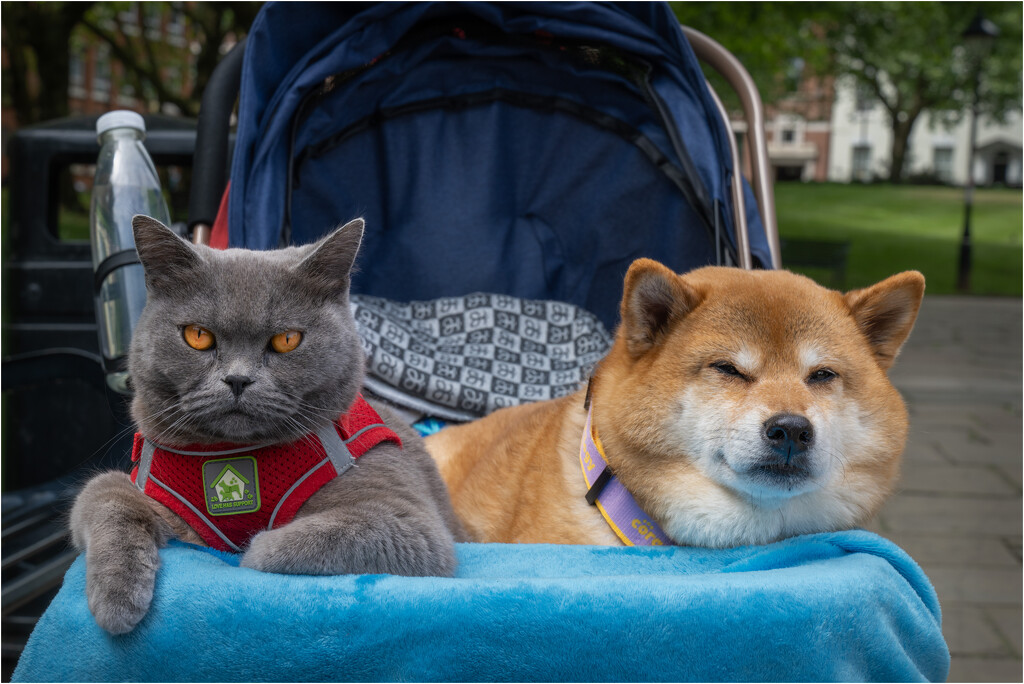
726 64
739 202
210 160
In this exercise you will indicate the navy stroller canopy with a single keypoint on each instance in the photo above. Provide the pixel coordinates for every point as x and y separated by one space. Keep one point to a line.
529 149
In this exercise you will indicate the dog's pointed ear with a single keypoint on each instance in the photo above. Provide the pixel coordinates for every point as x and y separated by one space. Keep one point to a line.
169 261
328 266
654 299
886 311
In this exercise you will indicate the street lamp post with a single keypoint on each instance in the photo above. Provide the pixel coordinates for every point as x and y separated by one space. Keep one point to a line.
978 38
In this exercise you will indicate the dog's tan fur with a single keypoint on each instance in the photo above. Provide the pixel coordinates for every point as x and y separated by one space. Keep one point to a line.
685 434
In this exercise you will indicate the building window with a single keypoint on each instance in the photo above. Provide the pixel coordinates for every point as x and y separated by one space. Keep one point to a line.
126 93
101 75
862 163
76 71
1000 166
174 79
865 98
176 25
153 21
788 135
128 19
794 74
942 163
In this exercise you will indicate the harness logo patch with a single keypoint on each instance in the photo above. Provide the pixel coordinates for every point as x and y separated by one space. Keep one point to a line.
231 486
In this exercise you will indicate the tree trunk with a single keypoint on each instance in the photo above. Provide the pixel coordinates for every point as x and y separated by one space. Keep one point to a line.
52 98
45 30
21 98
901 131
212 20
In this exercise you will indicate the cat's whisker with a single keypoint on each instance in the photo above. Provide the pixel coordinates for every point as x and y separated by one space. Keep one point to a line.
318 413
117 436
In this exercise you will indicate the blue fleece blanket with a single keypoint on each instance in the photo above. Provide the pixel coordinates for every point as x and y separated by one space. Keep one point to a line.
846 606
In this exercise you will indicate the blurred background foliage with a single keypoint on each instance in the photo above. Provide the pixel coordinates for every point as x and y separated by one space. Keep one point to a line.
39 37
910 56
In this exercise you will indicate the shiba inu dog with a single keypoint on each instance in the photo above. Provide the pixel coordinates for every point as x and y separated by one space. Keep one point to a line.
735 407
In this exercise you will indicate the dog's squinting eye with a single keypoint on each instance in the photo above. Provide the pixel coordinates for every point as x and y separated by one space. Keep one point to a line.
284 342
198 337
726 368
822 375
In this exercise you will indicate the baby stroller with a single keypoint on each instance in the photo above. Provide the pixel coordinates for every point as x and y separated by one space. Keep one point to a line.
530 150
542 146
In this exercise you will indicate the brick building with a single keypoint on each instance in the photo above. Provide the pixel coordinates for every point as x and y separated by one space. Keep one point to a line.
98 82
799 129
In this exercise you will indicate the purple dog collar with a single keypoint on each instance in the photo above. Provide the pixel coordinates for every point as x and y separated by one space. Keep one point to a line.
617 505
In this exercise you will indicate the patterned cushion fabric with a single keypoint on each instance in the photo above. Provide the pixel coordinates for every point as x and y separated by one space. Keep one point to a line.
460 358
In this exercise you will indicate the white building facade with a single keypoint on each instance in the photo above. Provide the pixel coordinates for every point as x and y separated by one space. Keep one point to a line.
861 143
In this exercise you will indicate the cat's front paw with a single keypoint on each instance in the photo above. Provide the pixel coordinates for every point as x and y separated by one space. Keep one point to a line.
119 586
270 551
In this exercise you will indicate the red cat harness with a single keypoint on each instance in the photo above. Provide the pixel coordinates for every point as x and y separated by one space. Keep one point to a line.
227 493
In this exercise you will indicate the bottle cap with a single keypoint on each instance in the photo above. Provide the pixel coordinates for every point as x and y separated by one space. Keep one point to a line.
120 118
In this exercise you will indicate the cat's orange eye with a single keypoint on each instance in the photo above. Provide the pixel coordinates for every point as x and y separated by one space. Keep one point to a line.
198 337
284 342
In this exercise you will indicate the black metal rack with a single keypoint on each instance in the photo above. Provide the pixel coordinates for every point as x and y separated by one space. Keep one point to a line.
61 421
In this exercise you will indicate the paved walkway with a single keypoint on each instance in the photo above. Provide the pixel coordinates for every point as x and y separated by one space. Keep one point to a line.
958 510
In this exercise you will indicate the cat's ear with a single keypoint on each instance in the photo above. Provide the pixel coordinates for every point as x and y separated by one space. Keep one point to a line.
328 266
170 262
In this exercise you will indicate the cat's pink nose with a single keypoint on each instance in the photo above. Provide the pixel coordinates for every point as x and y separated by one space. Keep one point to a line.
238 383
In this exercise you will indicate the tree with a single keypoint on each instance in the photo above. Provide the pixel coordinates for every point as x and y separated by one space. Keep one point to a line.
146 56
214 21
769 38
911 57
36 37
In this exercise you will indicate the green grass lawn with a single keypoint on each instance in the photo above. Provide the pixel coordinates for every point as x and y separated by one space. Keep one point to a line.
889 229
896 228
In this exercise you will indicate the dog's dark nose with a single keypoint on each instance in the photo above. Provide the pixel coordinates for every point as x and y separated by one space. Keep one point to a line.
238 383
788 434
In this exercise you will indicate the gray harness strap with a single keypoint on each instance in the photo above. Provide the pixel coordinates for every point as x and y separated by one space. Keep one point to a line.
277 509
337 454
359 434
231 545
335 448
145 462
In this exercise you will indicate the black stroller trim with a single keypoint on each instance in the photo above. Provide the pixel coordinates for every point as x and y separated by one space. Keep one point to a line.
47 365
211 160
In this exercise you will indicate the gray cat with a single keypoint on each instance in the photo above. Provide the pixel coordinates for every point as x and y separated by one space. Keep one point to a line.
243 347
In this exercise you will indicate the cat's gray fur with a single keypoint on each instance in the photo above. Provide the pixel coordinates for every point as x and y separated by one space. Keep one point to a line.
390 514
